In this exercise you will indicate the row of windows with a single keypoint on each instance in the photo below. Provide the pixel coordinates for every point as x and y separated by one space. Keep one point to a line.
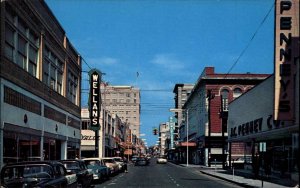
225 93
22 47
120 101
116 95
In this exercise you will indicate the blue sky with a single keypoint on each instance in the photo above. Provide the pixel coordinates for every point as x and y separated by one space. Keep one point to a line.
167 42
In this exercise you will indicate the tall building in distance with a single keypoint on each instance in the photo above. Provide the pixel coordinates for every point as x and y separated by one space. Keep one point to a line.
125 102
182 92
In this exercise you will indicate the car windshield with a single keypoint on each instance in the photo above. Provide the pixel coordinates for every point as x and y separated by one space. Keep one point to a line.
118 160
71 165
27 171
93 163
108 160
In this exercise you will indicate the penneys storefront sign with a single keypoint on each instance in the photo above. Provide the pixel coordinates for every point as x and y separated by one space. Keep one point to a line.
95 99
286 54
247 128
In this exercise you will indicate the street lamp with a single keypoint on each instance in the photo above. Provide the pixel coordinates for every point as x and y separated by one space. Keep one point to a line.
187 137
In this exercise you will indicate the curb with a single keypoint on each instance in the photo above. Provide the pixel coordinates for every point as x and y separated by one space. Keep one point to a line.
231 181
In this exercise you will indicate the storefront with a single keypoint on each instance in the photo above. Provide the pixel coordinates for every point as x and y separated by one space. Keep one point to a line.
33 129
274 144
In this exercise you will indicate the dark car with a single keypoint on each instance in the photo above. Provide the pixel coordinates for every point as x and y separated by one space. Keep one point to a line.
37 174
141 161
77 166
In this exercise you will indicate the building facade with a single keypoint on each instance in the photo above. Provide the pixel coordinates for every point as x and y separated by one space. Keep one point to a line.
125 102
164 138
206 130
40 79
111 135
274 143
182 92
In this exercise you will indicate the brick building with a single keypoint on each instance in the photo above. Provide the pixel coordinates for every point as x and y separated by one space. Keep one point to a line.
211 93
40 73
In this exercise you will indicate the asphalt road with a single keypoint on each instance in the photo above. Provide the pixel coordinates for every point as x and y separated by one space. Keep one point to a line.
163 175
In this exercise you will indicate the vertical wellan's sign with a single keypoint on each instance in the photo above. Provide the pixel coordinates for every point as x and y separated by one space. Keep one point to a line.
286 55
95 99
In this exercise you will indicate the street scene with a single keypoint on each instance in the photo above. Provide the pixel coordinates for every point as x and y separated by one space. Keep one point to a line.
164 175
127 93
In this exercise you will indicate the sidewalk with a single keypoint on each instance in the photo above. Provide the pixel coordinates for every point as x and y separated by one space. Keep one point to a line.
243 177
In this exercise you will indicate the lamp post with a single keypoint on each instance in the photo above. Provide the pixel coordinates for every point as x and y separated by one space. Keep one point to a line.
187 137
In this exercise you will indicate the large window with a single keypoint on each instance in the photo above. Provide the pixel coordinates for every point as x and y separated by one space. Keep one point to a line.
52 71
85 124
20 147
21 44
72 87
224 94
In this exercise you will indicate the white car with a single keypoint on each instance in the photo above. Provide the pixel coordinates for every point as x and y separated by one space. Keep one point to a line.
161 160
111 163
120 162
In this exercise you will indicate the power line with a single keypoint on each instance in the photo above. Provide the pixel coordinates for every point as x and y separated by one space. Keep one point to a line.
247 46
86 63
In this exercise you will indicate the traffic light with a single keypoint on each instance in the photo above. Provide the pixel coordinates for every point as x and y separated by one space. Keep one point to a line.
154 131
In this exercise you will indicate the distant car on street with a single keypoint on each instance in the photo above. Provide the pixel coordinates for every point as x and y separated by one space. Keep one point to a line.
37 174
141 161
77 166
134 158
161 159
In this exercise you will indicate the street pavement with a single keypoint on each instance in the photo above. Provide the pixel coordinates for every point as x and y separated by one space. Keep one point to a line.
243 178
164 175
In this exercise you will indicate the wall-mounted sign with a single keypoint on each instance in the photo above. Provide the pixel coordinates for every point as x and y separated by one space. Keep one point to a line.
95 99
286 54
248 128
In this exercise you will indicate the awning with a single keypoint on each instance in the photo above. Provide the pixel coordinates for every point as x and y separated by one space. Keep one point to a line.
267 135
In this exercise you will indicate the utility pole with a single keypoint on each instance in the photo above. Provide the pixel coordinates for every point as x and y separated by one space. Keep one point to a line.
209 97
187 137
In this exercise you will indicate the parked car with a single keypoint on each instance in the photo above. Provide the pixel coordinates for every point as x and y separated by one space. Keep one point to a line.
141 161
111 164
99 169
121 163
161 159
77 166
37 174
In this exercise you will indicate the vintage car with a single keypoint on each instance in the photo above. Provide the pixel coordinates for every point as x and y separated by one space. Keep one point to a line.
37 174
141 161
99 169
120 162
77 166
161 159
111 163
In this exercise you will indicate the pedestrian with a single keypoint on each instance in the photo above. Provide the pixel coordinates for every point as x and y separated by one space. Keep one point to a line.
125 165
256 165
267 163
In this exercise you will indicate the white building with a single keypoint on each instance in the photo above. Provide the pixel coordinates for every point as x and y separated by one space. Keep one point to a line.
40 73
